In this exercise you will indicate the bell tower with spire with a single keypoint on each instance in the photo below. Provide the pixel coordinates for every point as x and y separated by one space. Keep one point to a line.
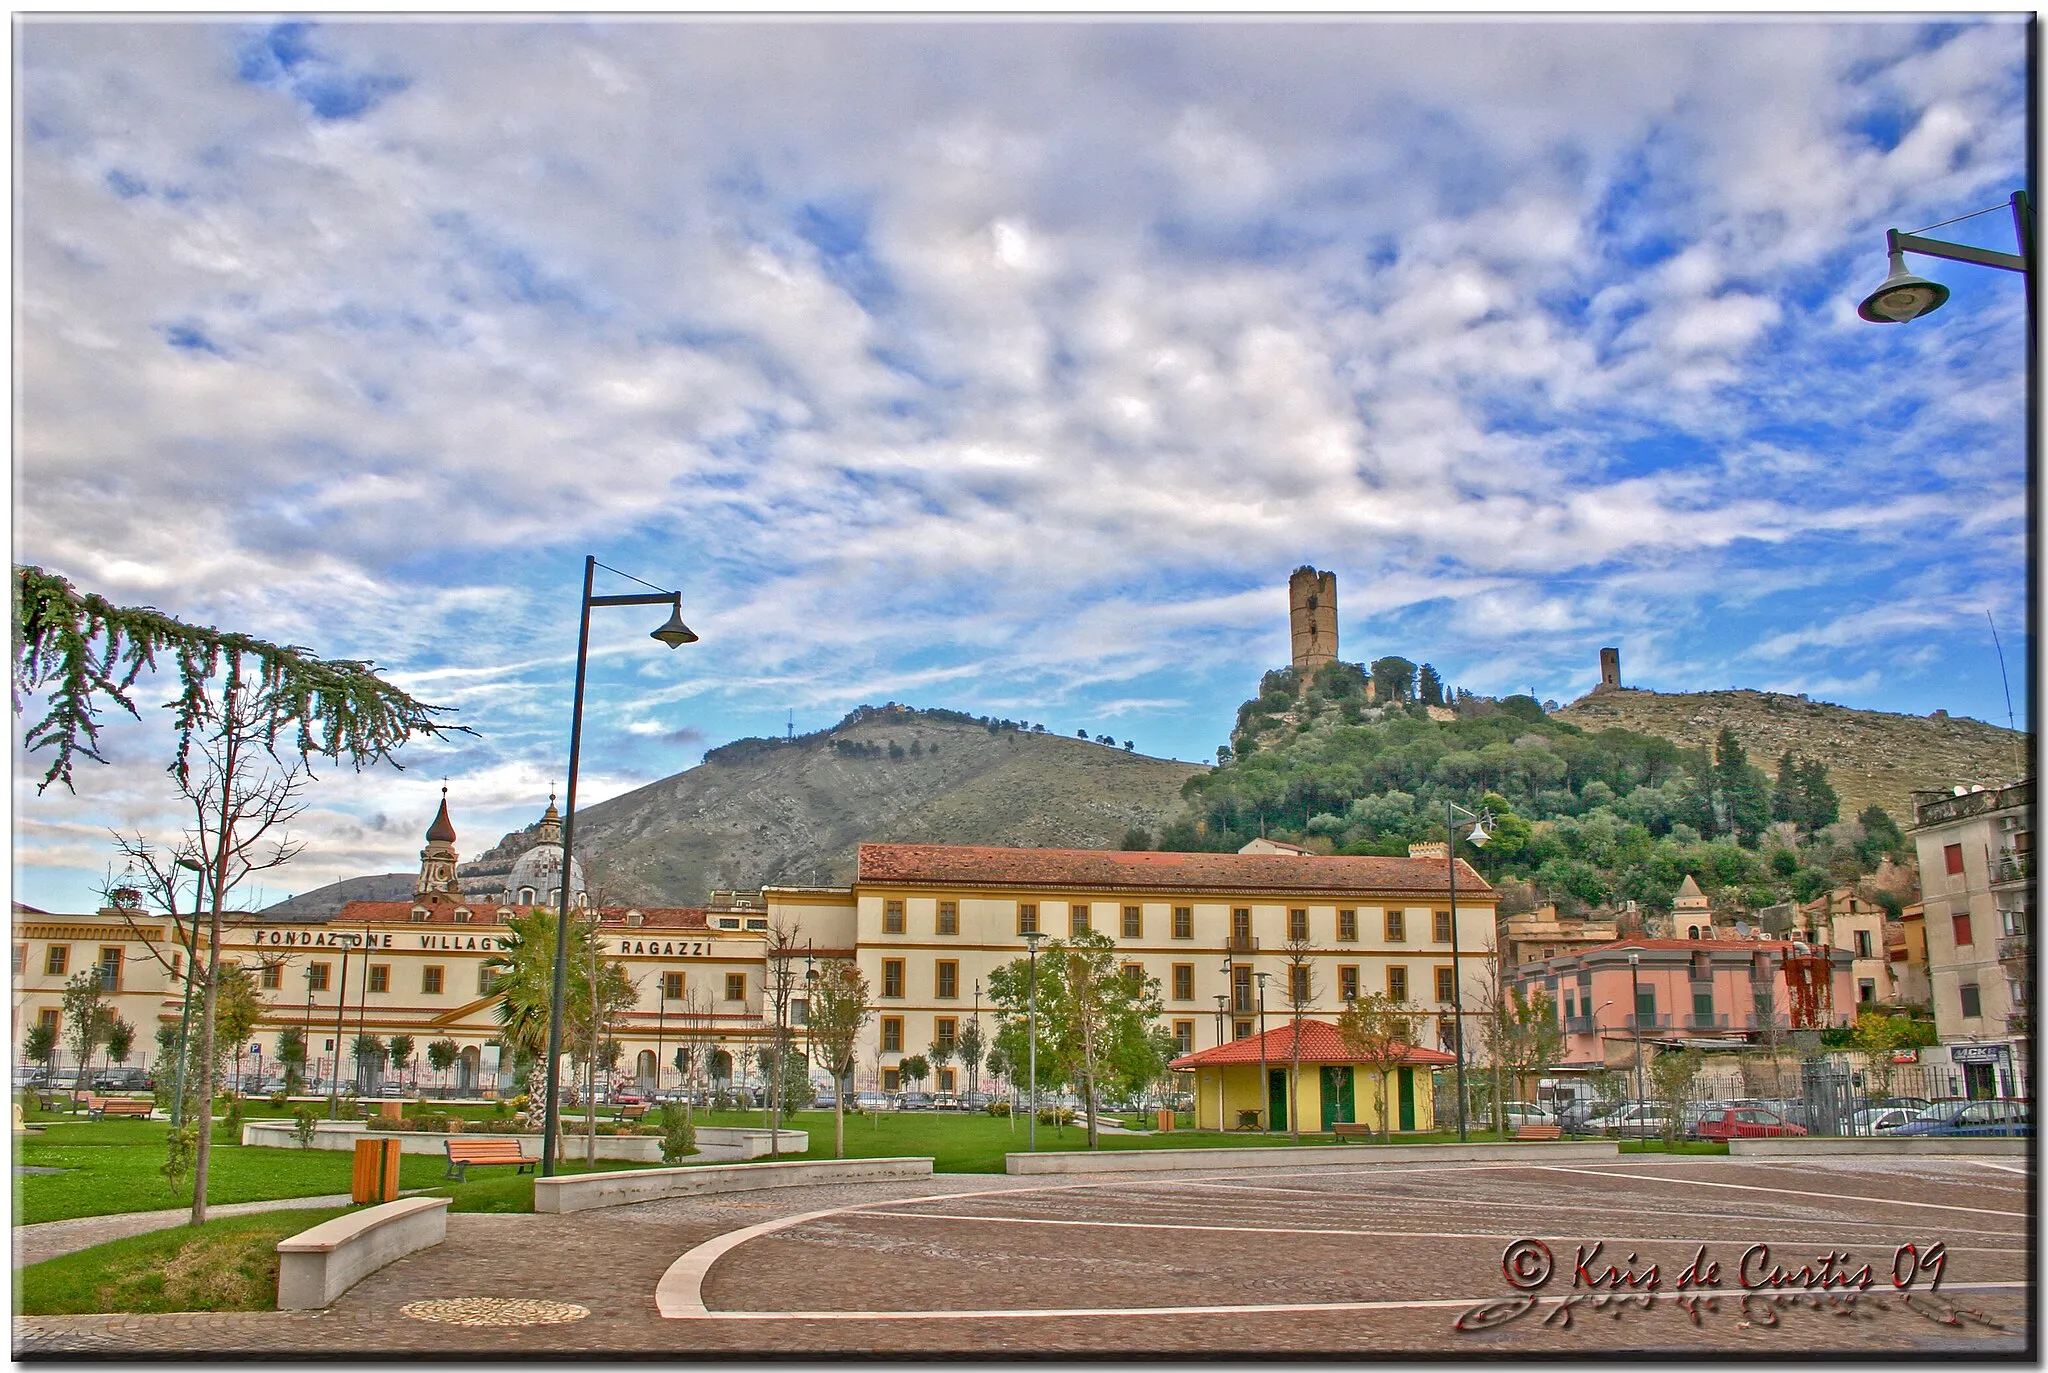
437 859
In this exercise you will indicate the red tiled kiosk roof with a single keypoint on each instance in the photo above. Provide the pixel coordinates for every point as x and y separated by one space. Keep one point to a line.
963 865
1320 1043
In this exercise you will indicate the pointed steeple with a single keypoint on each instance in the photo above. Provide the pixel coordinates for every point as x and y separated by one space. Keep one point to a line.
442 831
550 824
1689 894
437 859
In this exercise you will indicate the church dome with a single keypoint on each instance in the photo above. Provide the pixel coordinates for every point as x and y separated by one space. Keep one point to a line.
536 878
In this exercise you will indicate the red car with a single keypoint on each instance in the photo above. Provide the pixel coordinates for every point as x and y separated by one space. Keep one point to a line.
1747 1122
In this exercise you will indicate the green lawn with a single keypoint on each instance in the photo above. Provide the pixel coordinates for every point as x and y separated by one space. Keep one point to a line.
225 1265
113 1168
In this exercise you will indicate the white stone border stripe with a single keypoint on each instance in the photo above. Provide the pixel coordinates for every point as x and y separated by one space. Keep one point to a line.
1792 1192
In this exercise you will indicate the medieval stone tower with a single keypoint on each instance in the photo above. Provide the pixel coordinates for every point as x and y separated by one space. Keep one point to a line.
1312 616
1610 669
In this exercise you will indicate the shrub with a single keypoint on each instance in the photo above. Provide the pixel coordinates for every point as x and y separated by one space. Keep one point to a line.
278 1098
678 1135
649 1130
500 1108
304 1122
230 1129
387 1123
181 1148
999 1107
1055 1115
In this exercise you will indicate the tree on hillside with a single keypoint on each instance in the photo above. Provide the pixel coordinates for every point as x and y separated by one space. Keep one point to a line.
1744 802
1378 1031
1393 679
1431 687
839 1008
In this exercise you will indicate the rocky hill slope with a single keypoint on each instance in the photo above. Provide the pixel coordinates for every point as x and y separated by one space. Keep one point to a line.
1873 758
762 811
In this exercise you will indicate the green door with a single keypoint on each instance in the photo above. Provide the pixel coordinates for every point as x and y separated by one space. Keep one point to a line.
1337 1100
1276 1098
1407 1098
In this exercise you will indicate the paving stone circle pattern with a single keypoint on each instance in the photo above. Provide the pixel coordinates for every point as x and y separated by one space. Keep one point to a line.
494 1311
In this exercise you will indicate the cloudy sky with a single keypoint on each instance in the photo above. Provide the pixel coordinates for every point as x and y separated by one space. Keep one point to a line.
1009 367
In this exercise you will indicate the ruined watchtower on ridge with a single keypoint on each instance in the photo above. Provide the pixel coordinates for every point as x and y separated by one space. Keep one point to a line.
1312 616
1610 670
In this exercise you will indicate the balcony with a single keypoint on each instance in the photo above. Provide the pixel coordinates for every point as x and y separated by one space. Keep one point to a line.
1578 1024
2019 1023
2014 949
2012 867
1708 1021
1641 1021
1243 943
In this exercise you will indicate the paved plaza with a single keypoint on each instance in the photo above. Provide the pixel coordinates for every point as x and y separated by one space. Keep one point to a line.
1356 1259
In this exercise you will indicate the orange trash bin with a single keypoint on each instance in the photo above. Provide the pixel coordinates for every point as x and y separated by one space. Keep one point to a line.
1165 1121
376 1171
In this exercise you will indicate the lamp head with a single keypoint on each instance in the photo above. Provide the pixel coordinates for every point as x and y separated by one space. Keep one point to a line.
1902 296
675 633
1479 835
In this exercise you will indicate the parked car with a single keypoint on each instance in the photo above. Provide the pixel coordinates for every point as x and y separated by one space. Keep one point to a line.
1520 1113
975 1101
874 1101
914 1101
1631 1118
628 1096
1971 1119
124 1080
945 1101
1747 1122
1879 1120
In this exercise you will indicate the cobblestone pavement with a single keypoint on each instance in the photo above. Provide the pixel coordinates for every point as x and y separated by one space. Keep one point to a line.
34 1243
1363 1259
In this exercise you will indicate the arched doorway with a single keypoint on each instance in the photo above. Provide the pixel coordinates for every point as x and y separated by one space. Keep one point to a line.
643 1070
466 1071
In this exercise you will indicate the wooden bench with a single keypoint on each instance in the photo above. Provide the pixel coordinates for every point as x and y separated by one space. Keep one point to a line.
101 1107
633 1110
464 1152
1539 1132
1349 1129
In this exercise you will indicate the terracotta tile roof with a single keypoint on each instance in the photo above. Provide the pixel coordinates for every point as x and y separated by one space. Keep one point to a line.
484 913
1320 1043
1689 946
1084 870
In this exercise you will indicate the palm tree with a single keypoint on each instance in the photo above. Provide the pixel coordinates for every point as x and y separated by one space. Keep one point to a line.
525 990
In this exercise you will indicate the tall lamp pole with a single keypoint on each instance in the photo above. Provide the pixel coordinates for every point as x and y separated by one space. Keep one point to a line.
1635 1018
1904 296
347 942
675 634
1476 822
1265 1084
1031 938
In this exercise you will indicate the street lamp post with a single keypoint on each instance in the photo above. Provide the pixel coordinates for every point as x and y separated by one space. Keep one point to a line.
1477 824
974 1068
1031 938
347 942
1904 296
1265 1084
675 634
1635 1018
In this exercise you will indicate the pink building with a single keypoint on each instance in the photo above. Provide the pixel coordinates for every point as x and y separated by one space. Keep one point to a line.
1726 993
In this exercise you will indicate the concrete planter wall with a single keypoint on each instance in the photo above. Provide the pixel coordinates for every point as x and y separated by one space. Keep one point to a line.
1331 1156
331 1135
315 1266
1815 1146
558 1195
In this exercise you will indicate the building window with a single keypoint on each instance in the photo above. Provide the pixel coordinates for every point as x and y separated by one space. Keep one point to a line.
486 980
430 980
1241 1029
1397 983
1703 1004
1646 1007
1183 982
1134 922
1442 932
1184 1036
946 1079
671 986
800 1011
1077 918
1866 989
892 978
1397 927
419 915
1961 925
946 980
949 917
1347 982
1027 917
1298 984
20 959
1863 943
736 986
527 895
57 961
1446 985
945 1031
110 969
1297 925
892 1079
1973 1001
1347 926
316 977
1952 859
1183 922
892 1034
892 917
1241 927
380 977
1241 988
49 1019
1134 976
271 977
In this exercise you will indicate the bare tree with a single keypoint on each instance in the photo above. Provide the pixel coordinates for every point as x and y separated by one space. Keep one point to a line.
1301 995
1378 1031
839 1008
